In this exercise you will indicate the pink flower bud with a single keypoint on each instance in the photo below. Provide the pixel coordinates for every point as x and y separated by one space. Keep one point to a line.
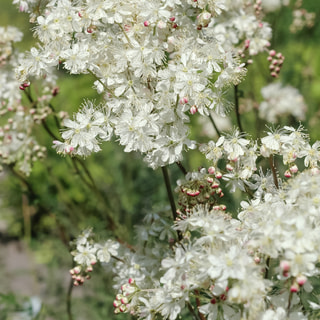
211 170
215 185
209 179
229 167
131 281
146 23
116 303
172 19
218 175
294 169
193 109
285 274
77 269
272 53
257 260
285 265
123 308
119 296
213 301
294 288
301 280
287 174
223 297
124 300
89 269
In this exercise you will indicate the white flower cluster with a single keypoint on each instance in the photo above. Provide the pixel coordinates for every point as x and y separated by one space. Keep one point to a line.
87 253
280 101
273 5
18 146
154 62
241 155
221 262
241 28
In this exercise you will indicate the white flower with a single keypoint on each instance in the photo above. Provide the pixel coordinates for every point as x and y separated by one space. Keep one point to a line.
105 251
280 101
85 255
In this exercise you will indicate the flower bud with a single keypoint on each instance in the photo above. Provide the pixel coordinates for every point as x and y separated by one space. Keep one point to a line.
287 174
294 287
193 109
285 265
294 169
301 280
211 170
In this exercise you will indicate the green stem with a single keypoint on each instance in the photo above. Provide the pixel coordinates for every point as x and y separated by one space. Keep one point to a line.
69 304
289 303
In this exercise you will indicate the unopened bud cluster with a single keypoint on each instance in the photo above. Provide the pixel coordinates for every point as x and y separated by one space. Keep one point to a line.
258 8
79 274
297 282
122 301
200 188
219 298
276 61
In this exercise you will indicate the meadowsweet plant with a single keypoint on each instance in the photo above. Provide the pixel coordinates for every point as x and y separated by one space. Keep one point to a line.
157 65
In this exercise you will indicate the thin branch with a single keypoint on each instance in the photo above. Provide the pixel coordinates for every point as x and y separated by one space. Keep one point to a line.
202 317
289 303
236 102
192 311
181 167
215 126
52 135
170 196
169 192
266 275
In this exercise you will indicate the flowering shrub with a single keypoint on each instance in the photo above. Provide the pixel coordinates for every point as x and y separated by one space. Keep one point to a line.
157 65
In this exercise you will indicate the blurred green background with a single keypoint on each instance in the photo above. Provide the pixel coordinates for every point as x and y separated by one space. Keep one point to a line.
60 205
